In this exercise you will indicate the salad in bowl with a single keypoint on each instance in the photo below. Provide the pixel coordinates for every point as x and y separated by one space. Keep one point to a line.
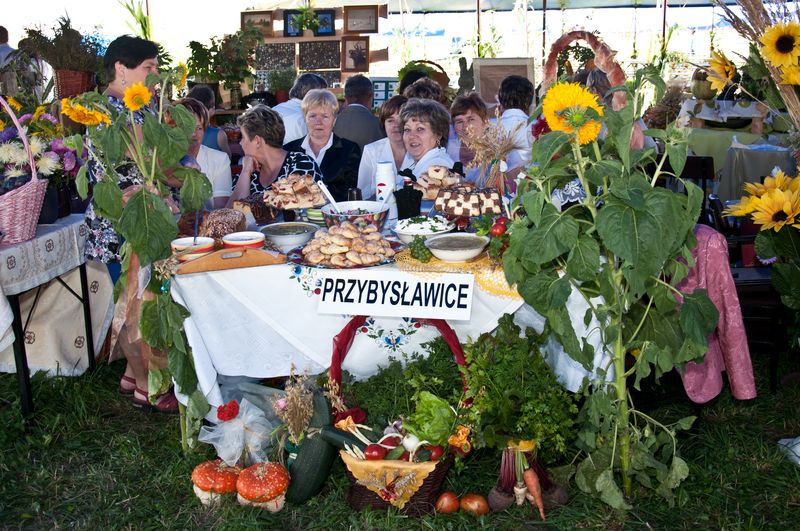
426 227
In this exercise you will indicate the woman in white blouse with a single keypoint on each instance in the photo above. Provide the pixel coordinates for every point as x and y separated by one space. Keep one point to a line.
389 149
426 128
213 163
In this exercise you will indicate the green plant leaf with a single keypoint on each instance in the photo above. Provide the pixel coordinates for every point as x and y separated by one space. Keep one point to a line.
536 290
107 199
583 261
698 316
171 142
677 157
112 141
553 236
197 407
765 244
533 202
82 181
600 172
787 244
196 188
184 119
148 225
685 423
786 279
678 471
610 492
546 146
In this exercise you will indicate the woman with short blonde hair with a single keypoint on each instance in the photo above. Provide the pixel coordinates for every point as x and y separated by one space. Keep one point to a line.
338 158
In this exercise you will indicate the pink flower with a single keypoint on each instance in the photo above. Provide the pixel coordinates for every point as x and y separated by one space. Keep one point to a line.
58 146
70 162
25 117
280 404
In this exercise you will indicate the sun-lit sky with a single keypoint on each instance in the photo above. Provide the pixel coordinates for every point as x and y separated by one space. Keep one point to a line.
438 37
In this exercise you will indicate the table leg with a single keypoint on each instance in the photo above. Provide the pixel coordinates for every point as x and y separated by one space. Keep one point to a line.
20 358
87 315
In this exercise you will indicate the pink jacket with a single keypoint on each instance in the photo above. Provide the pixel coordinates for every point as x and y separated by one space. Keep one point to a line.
727 345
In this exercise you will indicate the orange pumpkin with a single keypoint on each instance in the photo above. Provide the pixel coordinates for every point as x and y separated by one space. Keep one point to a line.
213 478
263 485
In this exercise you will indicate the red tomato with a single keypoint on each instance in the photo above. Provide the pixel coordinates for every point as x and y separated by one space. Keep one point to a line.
502 220
405 456
474 504
462 223
447 502
393 441
436 451
498 229
374 452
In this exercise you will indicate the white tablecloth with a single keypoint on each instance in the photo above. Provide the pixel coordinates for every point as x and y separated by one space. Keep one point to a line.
55 336
259 321
718 110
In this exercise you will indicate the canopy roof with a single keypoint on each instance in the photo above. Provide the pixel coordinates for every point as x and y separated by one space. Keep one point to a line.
452 6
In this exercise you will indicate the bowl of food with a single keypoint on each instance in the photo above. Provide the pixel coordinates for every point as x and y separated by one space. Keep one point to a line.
191 248
359 213
290 234
238 240
427 227
458 247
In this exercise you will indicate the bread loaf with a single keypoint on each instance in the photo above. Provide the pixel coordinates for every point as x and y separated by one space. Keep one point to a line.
464 201
219 223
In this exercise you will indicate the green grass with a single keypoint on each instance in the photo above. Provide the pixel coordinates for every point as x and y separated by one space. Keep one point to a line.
90 460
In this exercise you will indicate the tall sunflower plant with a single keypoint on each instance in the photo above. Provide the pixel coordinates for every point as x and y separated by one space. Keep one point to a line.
625 248
144 218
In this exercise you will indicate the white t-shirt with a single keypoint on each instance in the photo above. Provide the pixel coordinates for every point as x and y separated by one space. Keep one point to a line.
375 152
434 157
293 120
517 121
217 167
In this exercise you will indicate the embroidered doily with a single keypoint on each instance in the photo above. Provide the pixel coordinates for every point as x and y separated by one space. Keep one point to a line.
394 481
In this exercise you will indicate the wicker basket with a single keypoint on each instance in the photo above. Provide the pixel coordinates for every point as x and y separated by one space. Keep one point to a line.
421 503
424 499
20 208
70 83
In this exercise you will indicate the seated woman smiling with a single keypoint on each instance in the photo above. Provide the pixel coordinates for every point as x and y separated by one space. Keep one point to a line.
426 127
265 160
338 158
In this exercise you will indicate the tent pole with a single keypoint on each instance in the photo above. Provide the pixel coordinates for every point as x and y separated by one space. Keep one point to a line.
478 36
664 29
544 31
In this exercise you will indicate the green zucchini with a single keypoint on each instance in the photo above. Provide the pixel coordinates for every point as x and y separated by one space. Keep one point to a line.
339 438
315 457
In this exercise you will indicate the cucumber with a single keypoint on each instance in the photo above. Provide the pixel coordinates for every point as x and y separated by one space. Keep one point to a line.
339 438
315 457
395 453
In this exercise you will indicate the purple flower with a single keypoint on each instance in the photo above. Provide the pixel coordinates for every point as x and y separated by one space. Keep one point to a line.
8 134
70 162
58 146
25 117
49 117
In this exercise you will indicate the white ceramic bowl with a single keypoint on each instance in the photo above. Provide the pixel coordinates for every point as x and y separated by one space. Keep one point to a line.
191 247
407 229
458 247
289 235
238 240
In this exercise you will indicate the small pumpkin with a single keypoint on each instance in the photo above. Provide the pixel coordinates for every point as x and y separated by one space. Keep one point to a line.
211 479
263 485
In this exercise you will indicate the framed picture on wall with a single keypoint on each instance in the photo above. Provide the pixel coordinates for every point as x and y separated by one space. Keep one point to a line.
290 26
325 22
355 54
490 72
317 55
361 19
261 19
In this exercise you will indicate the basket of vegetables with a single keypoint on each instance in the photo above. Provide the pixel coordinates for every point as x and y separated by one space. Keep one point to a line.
405 465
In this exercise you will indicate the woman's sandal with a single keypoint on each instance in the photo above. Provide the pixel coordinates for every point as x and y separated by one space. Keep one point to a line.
166 403
127 385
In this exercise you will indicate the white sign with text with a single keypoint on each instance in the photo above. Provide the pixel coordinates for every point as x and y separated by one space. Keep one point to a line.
392 293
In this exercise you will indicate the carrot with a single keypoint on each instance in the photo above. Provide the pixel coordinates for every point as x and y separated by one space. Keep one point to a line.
532 482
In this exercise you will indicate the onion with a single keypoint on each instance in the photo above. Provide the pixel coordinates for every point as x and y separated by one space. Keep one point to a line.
410 442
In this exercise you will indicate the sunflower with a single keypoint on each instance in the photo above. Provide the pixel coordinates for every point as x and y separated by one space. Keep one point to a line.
777 208
780 44
14 103
184 75
720 71
790 75
136 96
2 125
80 114
779 181
38 113
565 108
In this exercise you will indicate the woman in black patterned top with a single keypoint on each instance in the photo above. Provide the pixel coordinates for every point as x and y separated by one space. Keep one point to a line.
265 160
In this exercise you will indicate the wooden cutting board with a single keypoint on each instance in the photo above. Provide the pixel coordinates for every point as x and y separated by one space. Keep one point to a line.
231 259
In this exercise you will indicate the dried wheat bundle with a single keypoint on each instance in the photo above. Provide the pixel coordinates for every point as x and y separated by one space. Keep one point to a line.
758 16
295 409
495 144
